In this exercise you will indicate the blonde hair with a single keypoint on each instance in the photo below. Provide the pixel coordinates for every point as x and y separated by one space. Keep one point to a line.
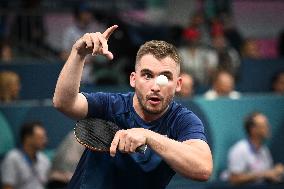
9 86
160 50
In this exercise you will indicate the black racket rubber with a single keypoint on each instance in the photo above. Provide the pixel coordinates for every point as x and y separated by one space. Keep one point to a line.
97 134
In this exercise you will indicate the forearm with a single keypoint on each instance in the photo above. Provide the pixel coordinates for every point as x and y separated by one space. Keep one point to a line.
186 159
245 178
68 83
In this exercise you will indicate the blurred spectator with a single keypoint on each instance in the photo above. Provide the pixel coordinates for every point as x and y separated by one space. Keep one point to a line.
223 85
28 32
84 22
26 167
281 44
228 57
6 52
249 160
65 162
187 85
277 83
232 34
197 60
198 22
250 49
10 86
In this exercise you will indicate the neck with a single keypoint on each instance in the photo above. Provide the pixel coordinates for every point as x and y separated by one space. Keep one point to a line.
30 151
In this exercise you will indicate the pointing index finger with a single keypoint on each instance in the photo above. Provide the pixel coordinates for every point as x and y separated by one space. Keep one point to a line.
109 31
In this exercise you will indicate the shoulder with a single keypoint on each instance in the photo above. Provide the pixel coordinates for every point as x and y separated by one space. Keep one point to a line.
112 96
13 155
235 95
239 147
210 94
109 103
181 114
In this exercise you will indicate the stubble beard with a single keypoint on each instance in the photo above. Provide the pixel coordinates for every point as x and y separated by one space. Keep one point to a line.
158 110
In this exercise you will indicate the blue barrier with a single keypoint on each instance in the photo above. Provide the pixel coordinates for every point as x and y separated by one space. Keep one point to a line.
223 120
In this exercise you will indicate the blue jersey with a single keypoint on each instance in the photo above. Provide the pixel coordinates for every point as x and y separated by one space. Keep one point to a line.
97 170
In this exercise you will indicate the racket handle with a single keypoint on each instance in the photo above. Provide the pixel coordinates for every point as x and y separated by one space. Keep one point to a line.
142 149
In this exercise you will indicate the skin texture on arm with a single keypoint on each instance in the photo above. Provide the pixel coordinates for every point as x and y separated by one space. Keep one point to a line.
67 98
191 158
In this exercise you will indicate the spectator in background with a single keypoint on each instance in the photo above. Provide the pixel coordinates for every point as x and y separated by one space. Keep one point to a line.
197 60
28 32
26 167
6 52
187 86
223 85
65 162
250 50
84 22
231 32
249 160
10 86
228 58
198 22
277 84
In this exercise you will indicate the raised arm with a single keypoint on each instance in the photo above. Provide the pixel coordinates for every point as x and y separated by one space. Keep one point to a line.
66 97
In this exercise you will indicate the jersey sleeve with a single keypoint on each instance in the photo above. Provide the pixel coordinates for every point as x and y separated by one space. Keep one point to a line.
9 171
189 126
98 104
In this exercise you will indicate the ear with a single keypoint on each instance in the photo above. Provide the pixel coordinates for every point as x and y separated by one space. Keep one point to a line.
132 79
179 83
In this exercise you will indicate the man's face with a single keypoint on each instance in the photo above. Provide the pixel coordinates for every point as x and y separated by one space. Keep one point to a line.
224 84
261 126
39 138
153 98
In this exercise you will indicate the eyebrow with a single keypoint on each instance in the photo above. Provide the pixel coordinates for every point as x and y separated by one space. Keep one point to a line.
146 71
166 73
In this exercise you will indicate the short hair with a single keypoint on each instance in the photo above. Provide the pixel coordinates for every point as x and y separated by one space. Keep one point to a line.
249 122
27 129
159 49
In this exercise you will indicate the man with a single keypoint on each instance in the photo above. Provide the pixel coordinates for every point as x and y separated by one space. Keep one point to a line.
222 86
249 159
174 135
27 167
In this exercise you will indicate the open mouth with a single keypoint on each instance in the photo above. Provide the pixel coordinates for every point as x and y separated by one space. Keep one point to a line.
154 100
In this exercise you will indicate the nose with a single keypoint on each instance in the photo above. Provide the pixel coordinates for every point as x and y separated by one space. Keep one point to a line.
155 87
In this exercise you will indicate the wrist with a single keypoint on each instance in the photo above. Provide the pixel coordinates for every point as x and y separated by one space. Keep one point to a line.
147 134
75 54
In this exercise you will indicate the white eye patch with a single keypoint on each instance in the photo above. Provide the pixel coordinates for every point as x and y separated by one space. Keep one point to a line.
162 80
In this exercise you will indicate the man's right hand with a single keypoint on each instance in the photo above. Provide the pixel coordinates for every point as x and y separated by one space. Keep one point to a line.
95 43
275 174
